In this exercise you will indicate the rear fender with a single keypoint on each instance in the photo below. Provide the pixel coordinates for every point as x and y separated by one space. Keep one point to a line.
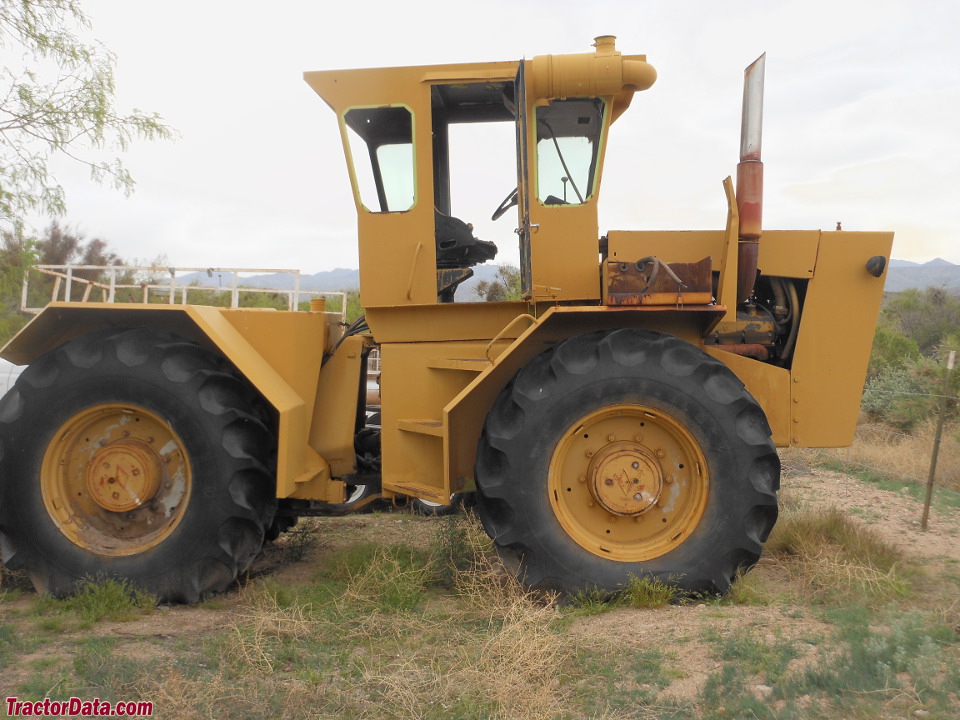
279 353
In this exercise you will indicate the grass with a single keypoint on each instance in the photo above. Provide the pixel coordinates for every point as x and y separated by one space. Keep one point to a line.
95 600
832 558
646 592
390 616
896 461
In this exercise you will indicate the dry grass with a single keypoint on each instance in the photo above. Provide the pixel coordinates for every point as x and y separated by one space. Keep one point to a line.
389 580
490 651
176 696
832 557
889 452
262 627
511 671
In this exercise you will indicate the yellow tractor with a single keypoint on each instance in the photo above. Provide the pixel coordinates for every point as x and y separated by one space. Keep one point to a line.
620 419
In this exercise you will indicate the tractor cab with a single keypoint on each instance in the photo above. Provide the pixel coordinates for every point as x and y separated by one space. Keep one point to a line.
396 126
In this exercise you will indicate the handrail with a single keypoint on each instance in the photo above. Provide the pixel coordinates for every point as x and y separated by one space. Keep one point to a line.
499 335
170 291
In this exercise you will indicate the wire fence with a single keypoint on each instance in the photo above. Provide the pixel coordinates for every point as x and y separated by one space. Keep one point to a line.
927 456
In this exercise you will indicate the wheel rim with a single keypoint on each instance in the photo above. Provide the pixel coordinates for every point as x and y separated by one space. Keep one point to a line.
115 479
628 482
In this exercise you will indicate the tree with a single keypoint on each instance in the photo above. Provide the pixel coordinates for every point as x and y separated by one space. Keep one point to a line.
57 98
17 255
925 316
57 246
891 349
505 286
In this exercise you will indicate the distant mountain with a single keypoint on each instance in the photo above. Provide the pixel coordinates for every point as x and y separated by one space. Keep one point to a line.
333 280
903 274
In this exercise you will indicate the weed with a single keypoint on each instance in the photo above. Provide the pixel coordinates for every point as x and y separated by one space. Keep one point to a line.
47 684
806 533
903 656
98 673
748 589
757 657
300 540
459 545
108 599
394 579
618 678
592 601
648 592
93 601
52 624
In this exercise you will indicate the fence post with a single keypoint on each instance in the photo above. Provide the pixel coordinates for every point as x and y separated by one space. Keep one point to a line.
936 440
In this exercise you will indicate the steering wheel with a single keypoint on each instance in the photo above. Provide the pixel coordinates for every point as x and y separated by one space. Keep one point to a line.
508 202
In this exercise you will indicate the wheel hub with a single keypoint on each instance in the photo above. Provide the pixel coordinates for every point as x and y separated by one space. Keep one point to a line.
115 479
123 476
628 482
625 479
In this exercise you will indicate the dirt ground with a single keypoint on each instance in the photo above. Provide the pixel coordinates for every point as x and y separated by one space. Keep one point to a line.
894 516
675 630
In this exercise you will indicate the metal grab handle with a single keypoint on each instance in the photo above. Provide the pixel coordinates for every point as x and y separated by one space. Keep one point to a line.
499 335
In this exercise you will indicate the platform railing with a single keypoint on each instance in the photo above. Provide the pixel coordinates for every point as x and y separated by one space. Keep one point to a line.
162 285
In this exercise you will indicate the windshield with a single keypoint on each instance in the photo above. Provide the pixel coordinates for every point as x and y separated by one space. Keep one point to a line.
568 140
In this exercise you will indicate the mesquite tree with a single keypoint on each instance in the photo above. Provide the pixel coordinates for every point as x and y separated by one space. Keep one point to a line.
57 97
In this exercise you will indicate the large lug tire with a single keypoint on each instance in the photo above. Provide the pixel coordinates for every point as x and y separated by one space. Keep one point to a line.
435 509
627 453
134 454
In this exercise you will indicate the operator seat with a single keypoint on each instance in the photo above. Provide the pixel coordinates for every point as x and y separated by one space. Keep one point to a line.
457 251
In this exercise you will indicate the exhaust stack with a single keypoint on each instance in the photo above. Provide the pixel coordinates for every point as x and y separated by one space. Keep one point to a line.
750 179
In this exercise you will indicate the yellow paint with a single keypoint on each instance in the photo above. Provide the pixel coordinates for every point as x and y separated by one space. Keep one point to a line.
443 365
278 352
836 335
334 419
110 459
622 498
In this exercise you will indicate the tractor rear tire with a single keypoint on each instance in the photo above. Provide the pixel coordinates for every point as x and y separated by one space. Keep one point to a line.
627 453
136 455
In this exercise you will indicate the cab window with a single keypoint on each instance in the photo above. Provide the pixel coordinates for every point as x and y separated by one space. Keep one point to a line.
568 145
381 151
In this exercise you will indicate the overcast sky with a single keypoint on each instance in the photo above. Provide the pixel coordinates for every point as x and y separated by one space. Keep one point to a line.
861 123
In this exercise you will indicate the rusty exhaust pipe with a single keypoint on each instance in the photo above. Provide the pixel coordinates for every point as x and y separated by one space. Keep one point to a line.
750 179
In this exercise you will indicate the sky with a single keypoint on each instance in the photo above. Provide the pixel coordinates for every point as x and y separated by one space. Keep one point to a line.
861 119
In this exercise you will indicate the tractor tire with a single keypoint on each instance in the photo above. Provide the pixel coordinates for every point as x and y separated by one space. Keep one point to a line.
626 453
133 454
435 509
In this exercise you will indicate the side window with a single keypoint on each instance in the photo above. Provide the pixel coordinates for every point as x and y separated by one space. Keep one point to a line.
568 145
381 150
